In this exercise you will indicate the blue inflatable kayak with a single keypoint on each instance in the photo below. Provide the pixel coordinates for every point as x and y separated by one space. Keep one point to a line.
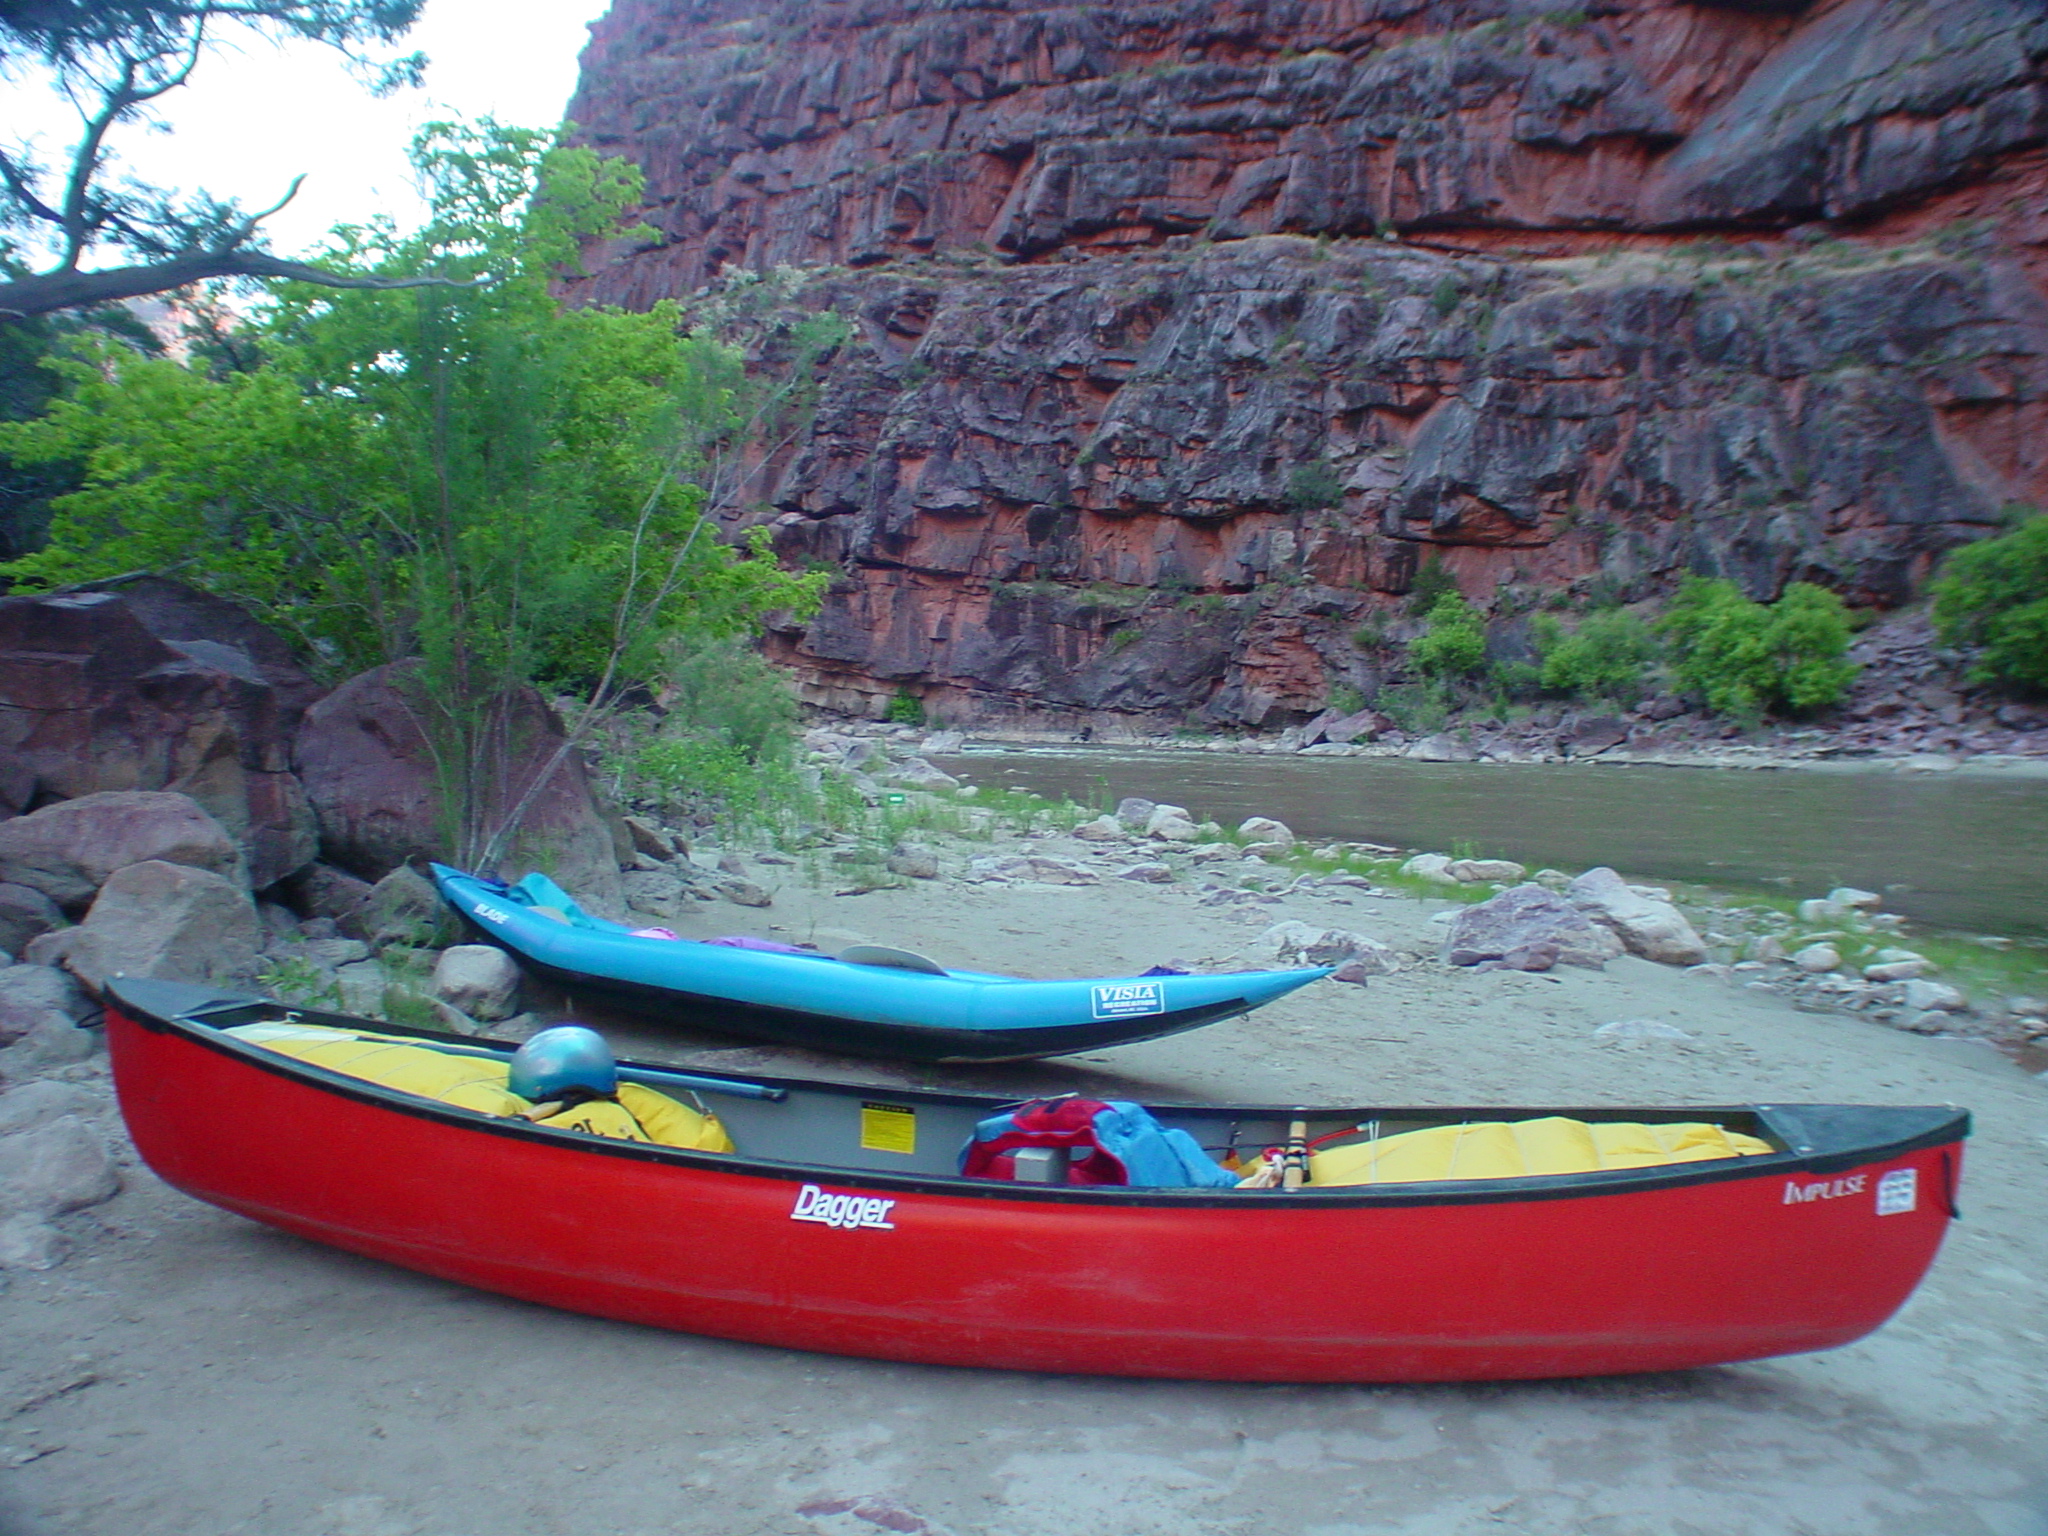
868 1002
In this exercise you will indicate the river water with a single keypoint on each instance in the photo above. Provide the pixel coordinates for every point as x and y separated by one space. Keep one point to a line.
1962 851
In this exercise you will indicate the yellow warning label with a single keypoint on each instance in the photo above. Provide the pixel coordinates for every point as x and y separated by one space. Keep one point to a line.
888 1128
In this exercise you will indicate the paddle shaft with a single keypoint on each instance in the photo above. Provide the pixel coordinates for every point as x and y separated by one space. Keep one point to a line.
1294 1166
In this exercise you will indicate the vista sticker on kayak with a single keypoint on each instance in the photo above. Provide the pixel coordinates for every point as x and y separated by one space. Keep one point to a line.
843 1211
1127 999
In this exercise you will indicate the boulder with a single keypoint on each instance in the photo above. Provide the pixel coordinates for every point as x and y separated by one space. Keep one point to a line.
942 743
362 986
1148 874
1821 912
1441 749
49 1041
45 988
1103 829
1164 815
1590 737
1362 726
1850 896
1265 851
68 850
170 921
655 892
745 893
1176 829
1134 812
1477 871
916 773
915 863
330 954
1434 867
369 773
479 979
1529 928
25 914
33 1104
1264 829
649 839
1296 943
1897 970
1817 958
156 686
1654 929
29 1242
404 908
1919 995
53 1168
322 891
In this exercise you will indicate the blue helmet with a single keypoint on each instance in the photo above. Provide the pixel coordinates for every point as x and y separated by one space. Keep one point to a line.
566 1057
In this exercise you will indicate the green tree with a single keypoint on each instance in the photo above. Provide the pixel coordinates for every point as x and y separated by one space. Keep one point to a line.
1453 647
470 478
1607 657
1993 596
1745 657
1432 582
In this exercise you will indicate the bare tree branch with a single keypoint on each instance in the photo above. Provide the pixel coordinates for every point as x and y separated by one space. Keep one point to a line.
40 294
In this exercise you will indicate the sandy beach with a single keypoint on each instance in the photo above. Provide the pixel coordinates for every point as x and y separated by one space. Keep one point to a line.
186 1371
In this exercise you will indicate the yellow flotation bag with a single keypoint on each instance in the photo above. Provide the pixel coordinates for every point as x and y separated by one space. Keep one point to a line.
478 1083
1501 1149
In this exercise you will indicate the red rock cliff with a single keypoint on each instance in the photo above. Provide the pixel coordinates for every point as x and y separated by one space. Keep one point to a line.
1182 333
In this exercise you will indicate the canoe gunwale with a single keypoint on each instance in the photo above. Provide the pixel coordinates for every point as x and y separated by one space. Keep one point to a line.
188 1024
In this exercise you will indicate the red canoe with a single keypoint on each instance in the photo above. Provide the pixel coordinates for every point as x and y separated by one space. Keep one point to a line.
880 1251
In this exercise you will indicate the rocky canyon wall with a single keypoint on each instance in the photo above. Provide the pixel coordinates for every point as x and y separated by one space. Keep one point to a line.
1178 337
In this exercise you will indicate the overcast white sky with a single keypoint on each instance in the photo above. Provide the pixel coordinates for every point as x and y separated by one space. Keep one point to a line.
250 120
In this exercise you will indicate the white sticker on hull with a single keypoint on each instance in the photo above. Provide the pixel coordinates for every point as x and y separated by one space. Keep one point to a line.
1898 1192
1127 999
491 914
843 1211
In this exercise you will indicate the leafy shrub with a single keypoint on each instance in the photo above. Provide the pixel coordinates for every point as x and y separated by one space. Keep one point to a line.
1431 583
1313 486
1454 645
906 709
1420 709
1608 657
1994 596
720 688
1372 634
1515 679
1744 657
